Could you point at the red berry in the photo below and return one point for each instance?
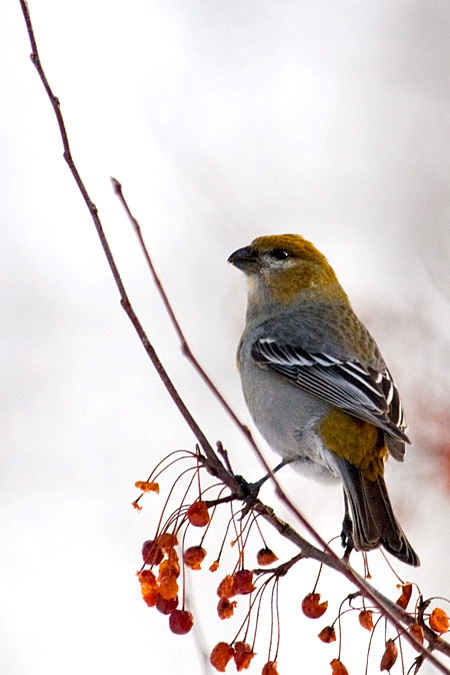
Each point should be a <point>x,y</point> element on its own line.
<point>193,557</point>
<point>180,621</point>
<point>243,582</point>
<point>198,514</point>
<point>151,552</point>
<point>166,606</point>
<point>312,607</point>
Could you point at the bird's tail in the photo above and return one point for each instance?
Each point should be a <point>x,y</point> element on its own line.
<point>374,522</point>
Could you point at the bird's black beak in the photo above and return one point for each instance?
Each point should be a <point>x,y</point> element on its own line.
<point>245,259</point>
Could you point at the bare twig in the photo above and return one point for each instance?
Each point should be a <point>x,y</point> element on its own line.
<point>185,348</point>
<point>214,465</point>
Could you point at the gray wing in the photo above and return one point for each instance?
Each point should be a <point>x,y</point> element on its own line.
<point>365,392</point>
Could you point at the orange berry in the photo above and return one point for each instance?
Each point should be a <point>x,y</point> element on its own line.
<point>149,587</point>
<point>243,655</point>
<point>243,582</point>
<point>147,487</point>
<point>327,634</point>
<point>147,577</point>
<point>214,567</point>
<point>197,514</point>
<point>225,608</point>
<point>194,556</point>
<point>221,655</point>
<point>439,620</point>
<point>166,606</point>
<point>180,621</point>
<point>266,557</point>
<point>152,554</point>
<point>168,587</point>
<point>270,668</point>
<point>167,541</point>
<point>390,655</point>
<point>365,619</point>
<point>149,597</point>
<point>169,568</point>
<point>226,588</point>
<point>405,596</point>
<point>312,607</point>
<point>338,668</point>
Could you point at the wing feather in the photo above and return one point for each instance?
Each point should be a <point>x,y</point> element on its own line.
<point>364,392</point>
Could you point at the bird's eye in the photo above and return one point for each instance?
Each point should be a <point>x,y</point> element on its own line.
<point>279,254</point>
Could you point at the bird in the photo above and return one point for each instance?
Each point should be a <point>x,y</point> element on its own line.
<point>317,386</point>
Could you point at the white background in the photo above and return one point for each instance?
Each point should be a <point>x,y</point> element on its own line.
<point>224,121</point>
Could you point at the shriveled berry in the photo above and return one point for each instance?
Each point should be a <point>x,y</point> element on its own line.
<point>194,556</point>
<point>221,655</point>
<point>181,621</point>
<point>214,567</point>
<point>405,596</point>
<point>226,588</point>
<point>225,608</point>
<point>338,668</point>
<point>166,606</point>
<point>390,655</point>
<point>149,587</point>
<point>145,486</point>
<point>312,607</point>
<point>152,553</point>
<point>243,655</point>
<point>167,541</point>
<point>197,514</point>
<point>243,582</point>
<point>270,668</point>
<point>365,619</point>
<point>417,631</point>
<point>266,556</point>
<point>327,634</point>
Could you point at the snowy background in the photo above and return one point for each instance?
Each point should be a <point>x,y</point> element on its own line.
<point>223,121</point>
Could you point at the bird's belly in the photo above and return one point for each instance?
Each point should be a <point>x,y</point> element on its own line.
<point>287,417</point>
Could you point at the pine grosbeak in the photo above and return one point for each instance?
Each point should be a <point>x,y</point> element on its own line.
<point>317,386</point>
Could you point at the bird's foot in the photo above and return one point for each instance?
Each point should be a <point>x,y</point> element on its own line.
<point>251,490</point>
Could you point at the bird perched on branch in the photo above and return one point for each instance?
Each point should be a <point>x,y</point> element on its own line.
<point>317,386</point>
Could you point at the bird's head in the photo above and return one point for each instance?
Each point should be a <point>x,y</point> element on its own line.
<point>285,268</point>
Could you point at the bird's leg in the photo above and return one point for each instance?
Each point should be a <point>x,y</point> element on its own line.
<point>347,530</point>
<point>252,489</point>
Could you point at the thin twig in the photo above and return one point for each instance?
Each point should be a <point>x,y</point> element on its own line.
<point>185,348</point>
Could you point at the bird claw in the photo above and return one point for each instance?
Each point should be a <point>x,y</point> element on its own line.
<point>250,491</point>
